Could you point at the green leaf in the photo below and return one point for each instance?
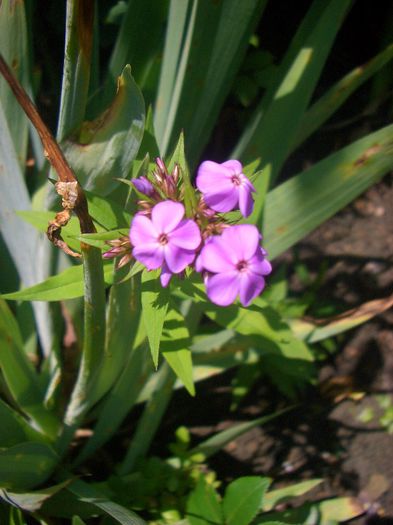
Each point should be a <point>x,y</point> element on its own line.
<point>302,203</point>
<point>154,300</point>
<point>243,498</point>
<point>324,107</point>
<point>215,443</point>
<point>203,505</point>
<point>113,139</point>
<point>87,494</point>
<point>15,53</point>
<point>76,520</point>
<point>178,157</point>
<point>107,213</point>
<point>14,428</point>
<point>134,45</point>
<point>149,422</point>
<point>175,347</point>
<point>76,71</point>
<point>17,234</point>
<point>67,285</point>
<point>272,498</point>
<point>319,329</point>
<point>31,501</point>
<point>327,512</point>
<point>275,122</point>
<point>26,465</point>
<point>205,43</point>
<point>19,375</point>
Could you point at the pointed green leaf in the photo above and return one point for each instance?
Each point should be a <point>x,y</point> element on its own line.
<point>273,497</point>
<point>19,375</point>
<point>302,203</point>
<point>15,53</point>
<point>243,498</point>
<point>14,428</point>
<point>275,122</point>
<point>154,308</point>
<point>175,348</point>
<point>88,494</point>
<point>26,465</point>
<point>203,505</point>
<point>76,70</point>
<point>327,512</point>
<point>104,148</point>
<point>76,520</point>
<point>31,501</point>
<point>67,285</point>
<point>215,443</point>
<point>178,157</point>
<point>333,99</point>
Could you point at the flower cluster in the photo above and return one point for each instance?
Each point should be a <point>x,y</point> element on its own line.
<point>230,257</point>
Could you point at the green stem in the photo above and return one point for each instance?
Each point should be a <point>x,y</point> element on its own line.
<point>93,345</point>
<point>150,420</point>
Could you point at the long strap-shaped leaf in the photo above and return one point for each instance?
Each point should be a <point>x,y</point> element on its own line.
<point>271,130</point>
<point>20,376</point>
<point>215,40</point>
<point>302,203</point>
<point>14,51</point>
<point>333,99</point>
<point>76,70</point>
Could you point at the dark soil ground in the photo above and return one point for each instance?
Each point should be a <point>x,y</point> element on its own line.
<point>325,437</point>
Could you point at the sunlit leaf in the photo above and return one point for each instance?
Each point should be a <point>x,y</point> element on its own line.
<point>175,347</point>
<point>26,465</point>
<point>65,285</point>
<point>203,505</point>
<point>154,308</point>
<point>103,149</point>
<point>243,498</point>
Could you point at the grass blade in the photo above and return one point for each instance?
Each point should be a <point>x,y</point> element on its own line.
<point>14,51</point>
<point>270,133</point>
<point>324,108</point>
<point>299,205</point>
<point>76,69</point>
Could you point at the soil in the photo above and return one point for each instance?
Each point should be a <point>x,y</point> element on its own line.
<point>325,437</point>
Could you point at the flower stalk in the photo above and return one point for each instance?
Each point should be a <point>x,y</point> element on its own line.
<point>73,200</point>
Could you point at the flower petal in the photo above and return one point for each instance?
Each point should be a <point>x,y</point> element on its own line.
<point>177,258</point>
<point>234,165</point>
<point>243,240</point>
<point>143,185</point>
<point>250,286</point>
<point>142,230</point>
<point>214,257</point>
<point>212,175</point>
<point>151,255</point>
<point>187,235</point>
<point>166,275</point>
<point>166,215</point>
<point>258,264</point>
<point>223,201</point>
<point>223,288</point>
<point>246,202</point>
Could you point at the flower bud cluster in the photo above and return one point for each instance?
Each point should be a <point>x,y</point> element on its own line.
<point>230,258</point>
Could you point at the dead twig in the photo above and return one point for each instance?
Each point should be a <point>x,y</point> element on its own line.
<point>68,187</point>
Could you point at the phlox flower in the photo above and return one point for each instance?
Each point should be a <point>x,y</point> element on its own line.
<point>225,187</point>
<point>143,185</point>
<point>165,241</point>
<point>234,265</point>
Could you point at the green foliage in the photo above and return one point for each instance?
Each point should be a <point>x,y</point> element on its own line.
<point>184,56</point>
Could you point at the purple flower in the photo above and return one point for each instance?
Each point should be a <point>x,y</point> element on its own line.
<point>236,265</point>
<point>166,240</point>
<point>225,187</point>
<point>143,185</point>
